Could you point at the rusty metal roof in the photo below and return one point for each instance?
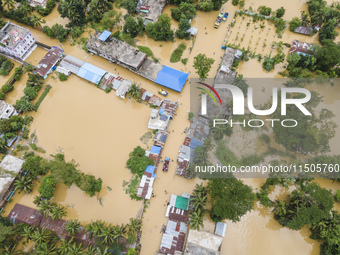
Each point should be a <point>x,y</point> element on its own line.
<point>24,214</point>
<point>57,226</point>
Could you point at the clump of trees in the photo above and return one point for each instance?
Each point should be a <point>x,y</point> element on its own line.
<point>5,66</point>
<point>198,206</point>
<point>280,12</point>
<point>132,27</point>
<point>47,186</point>
<point>138,162</point>
<point>160,30</point>
<point>48,9</point>
<point>177,53</point>
<point>186,9</point>
<point>264,10</point>
<point>203,64</point>
<point>10,128</point>
<point>130,6</point>
<point>56,31</point>
<point>269,63</point>
<point>294,24</point>
<point>230,199</point>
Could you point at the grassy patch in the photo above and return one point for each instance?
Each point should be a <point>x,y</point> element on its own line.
<point>132,188</point>
<point>177,53</point>
<point>148,52</point>
<point>225,155</point>
<point>41,98</point>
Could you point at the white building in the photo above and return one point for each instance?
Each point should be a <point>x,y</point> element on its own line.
<point>35,3</point>
<point>16,41</point>
<point>6,110</point>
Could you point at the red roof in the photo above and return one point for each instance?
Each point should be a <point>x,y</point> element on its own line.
<point>49,61</point>
<point>23,214</point>
<point>56,226</point>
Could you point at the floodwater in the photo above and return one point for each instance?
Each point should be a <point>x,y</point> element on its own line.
<point>98,131</point>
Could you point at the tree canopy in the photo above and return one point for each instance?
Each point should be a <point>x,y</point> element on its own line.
<point>160,30</point>
<point>203,64</point>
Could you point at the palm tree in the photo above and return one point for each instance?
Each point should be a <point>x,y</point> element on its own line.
<point>76,249</point>
<point>41,236</point>
<point>73,227</point>
<point>90,250</point>
<point>24,183</point>
<point>37,20</point>
<point>65,247</point>
<point>201,156</point>
<point>134,225</point>
<point>45,207</point>
<point>46,249</point>
<point>280,208</point>
<point>120,232</point>
<point>3,146</point>
<point>27,231</point>
<point>208,144</point>
<point>108,234</point>
<point>25,9</point>
<point>199,201</point>
<point>58,212</point>
<point>196,220</point>
<point>95,228</point>
<point>10,4</point>
<point>10,250</point>
<point>104,251</point>
<point>135,91</point>
<point>38,200</point>
<point>304,19</point>
<point>199,188</point>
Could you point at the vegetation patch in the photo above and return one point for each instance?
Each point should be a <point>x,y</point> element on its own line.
<point>177,53</point>
<point>148,52</point>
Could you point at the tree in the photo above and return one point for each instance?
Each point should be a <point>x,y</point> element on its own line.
<point>327,56</point>
<point>46,249</point>
<point>37,21</point>
<point>305,21</point>
<point>264,10</point>
<point>161,30</point>
<point>24,9</point>
<point>9,4</point>
<point>58,212</point>
<point>131,27</point>
<point>138,162</point>
<point>30,92</point>
<point>97,8</point>
<point>73,227</point>
<point>42,235</point>
<point>134,225</point>
<point>24,183</point>
<point>132,251</point>
<point>218,4</point>
<point>183,27</point>
<point>90,184</point>
<point>74,10</point>
<point>130,6</point>
<point>35,165</point>
<point>64,172</point>
<point>24,105</point>
<point>6,231</point>
<point>328,31</point>
<point>186,9</point>
<point>110,19</point>
<point>280,12</point>
<point>108,235</point>
<point>230,199</point>
<point>196,220</point>
<point>202,64</point>
<point>47,186</point>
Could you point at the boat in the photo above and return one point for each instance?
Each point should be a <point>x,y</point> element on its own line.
<point>166,164</point>
<point>163,92</point>
<point>218,20</point>
<point>225,16</point>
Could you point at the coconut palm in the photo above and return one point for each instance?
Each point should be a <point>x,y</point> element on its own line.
<point>280,208</point>
<point>3,146</point>
<point>90,250</point>
<point>10,250</point>
<point>108,234</point>
<point>37,20</point>
<point>38,200</point>
<point>201,156</point>
<point>199,188</point>
<point>24,183</point>
<point>58,212</point>
<point>27,231</point>
<point>104,251</point>
<point>73,227</point>
<point>46,249</point>
<point>208,144</point>
<point>76,249</point>
<point>134,225</point>
<point>120,232</point>
<point>41,236</point>
<point>135,91</point>
<point>65,247</point>
<point>45,207</point>
<point>199,201</point>
<point>25,9</point>
<point>10,4</point>
<point>196,220</point>
<point>95,228</point>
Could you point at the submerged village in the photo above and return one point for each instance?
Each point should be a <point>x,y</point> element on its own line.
<point>100,131</point>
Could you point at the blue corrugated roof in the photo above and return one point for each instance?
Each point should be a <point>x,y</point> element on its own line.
<point>155,149</point>
<point>171,78</point>
<point>194,143</point>
<point>150,169</point>
<point>163,138</point>
<point>91,73</point>
<point>104,35</point>
<point>163,117</point>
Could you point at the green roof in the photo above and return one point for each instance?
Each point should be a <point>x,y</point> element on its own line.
<point>182,203</point>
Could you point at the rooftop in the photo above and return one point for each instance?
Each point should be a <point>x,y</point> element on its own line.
<point>49,60</point>
<point>303,30</point>
<point>301,48</point>
<point>225,75</point>
<point>156,8</point>
<point>117,49</point>
<point>24,214</point>
<point>205,240</point>
<point>11,33</point>
<point>6,110</point>
<point>56,226</point>
<point>174,237</point>
<point>11,164</point>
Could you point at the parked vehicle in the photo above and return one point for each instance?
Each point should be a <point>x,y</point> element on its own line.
<point>166,164</point>
<point>225,17</point>
<point>218,20</point>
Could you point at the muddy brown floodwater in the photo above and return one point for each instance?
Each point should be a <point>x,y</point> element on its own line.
<point>98,131</point>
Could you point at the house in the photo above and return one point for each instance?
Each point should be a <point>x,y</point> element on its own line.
<point>146,183</point>
<point>10,166</point>
<point>57,226</point>
<point>49,61</point>
<point>82,237</point>
<point>303,30</point>
<point>16,41</point>
<point>41,3</point>
<point>63,70</point>
<point>6,110</point>
<point>203,243</point>
<point>24,214</point>
<point>301,48</point>
<point>173,239</point>
<point>158,120</point>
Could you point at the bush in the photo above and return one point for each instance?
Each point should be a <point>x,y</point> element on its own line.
<point>2,95</point>
<point>184,61</point>
<point>46,11</point>
<point>264,10</point>
<point>177,53</point>
<point>47,186</point>
<point>294,24</point>
<point>138,162</point>
<point>235,2</point>
<point>280,12</point>
<point>7,88</point>
<point>31,93</point>
<point>62,77</point>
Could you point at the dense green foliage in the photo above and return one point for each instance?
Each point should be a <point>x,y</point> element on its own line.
<point>204,5</point>
<point>264,10</point>
<point>35,165</point>
<point>198,204</point>
<point>56,31</point>
<point>178,2</point>
<point>138,162</point>
<point>47,186</point>
<point>132,27</point>
<point>5,66</point>
<point>183,26</point>
<point>280,12</point>
<point>186,9</point>
<point>294,24</point>
<point>202,64</point>
<point>230,199</point>
<point>308,204</point>
<point>160,30</point>
<point>130,6</point>
<point>328,31</point>
<point>177,53</point>
<point>269,63</point>
<point>49,7</point>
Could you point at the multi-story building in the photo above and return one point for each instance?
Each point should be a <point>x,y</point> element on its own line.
<point>16,41</point>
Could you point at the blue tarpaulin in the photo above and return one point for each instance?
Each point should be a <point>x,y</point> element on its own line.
<point>194,143</point>
<point>91,73</point>
<point>155,149</point>
<point>104,35</point>
<point>150,169</point>
<point>171,78</point>
<point>163,138</point>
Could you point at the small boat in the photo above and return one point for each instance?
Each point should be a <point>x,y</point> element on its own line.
<point>225,16</point>
<point>166,164</point>
<point>163,92</point>
<point>218,20</point>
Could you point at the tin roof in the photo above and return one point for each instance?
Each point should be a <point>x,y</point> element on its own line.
<point>24,214</point>
<point>49,61</point>
<point>57,226</point>
<point>106,34</point>
<point>221,227</point>
<point>303,30</point>
<point>301,48</point>
<point>182,203</point>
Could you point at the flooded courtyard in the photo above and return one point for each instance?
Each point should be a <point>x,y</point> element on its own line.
<point>99,130</point>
